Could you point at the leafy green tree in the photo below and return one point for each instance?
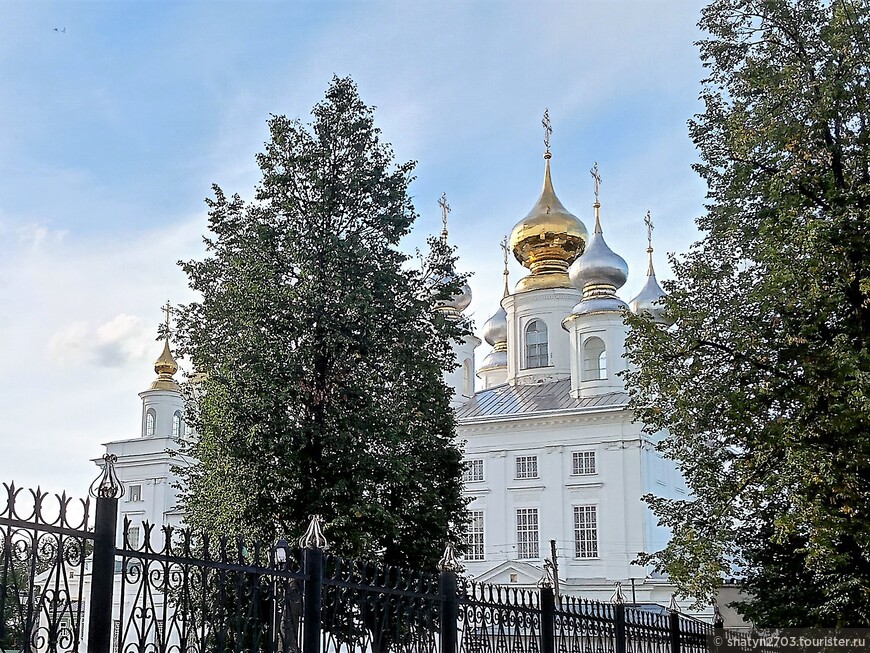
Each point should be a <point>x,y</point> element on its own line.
<point>321,352</point>
<point>762,383</point>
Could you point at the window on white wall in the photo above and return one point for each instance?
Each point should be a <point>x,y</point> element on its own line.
<point>474,536</point>
<point>594,360</point>
<point>473,470</point>
<point>527,533</point>
<point>586,531</point>
<point>135,493</point>
<point>537,351</point>
<point>583,463</point>
<point>133,537</point>
<point>176,424</point>
<point>527,467</point>
<point>150,418</point>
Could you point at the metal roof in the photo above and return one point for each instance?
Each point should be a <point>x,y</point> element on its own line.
<point>536,398</point>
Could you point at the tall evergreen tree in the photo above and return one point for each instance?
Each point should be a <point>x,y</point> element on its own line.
<point>763,381</point>
<point>321,354</point>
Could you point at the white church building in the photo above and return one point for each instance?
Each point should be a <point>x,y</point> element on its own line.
<point>553,453</point>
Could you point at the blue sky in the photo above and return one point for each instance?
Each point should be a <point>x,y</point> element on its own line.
<point>112,132</point>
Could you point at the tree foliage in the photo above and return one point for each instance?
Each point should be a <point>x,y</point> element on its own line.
<point>321,355</point>
<point>762,383</point>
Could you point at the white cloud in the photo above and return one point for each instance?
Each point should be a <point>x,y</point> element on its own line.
<point>123,339</point>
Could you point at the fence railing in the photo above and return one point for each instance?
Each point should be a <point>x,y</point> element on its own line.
<point>67,588</point>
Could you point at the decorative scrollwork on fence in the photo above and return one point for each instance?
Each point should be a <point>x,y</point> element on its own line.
<point>182,594</point>
<point>584,626</point>
<point>371,608</point>
<point>46,542</point>
<point>496,619</point>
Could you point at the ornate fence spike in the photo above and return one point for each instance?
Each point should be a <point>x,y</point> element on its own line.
<point>107,485</point>
<point>313,538</point>
<point>547,577</point>
<point>674,606</point>
<point>618,597</point>
<point>448,561</point>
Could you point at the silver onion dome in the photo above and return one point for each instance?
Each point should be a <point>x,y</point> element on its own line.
<point>458,302</point>
<point>648,300</point>
<point>599,272</point>
<point>495,334</point>
<point>495,328</point>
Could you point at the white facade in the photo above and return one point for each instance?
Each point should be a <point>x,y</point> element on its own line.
<point>553,452</point>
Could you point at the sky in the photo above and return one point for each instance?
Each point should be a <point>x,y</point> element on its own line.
<point>117,117</point>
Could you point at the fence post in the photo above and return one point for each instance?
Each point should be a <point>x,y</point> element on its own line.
<point>674,613</point>
<point>620,627</point>
<point>449,600</point>
<point>548,620</point>
<point>107,489</point>
<point>312,543</point>
<point>618,599</point>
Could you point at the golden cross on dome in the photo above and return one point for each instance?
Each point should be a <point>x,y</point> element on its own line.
<point>596,180</point>
<point>445,209</point>
<point>168,310</point>
<point>649,229</point>
<point>547,131</point>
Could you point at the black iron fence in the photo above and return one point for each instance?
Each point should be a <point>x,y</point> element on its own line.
<point>66,587</point>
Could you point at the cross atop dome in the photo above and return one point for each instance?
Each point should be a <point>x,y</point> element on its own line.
<point>445,209</point>
<point>548,130</point>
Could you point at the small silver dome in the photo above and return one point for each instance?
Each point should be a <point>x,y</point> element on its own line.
<point>648,300</point>
<point>495,359</point>
<point>495,328</point>
<point>458,302</point>
<point>599,266</point>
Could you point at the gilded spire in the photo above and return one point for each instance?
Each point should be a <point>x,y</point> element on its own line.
<point>649,248</point>
<point>504,251</point>
<point>550,237</point>
<point>165,365</point>
<point>445,209</point>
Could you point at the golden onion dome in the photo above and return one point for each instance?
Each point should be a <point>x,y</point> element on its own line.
<point>166,367</point>
<point>547,240</point>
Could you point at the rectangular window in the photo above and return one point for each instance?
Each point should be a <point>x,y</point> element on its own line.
<point>527,533</point>
<point>474,535</point>
<point>135,493</point>
<point>473,470</point>
<point>583,463</point>
<point>527,467</point>
<point>586,531</point>
<point>116,635</point>
<point>133,537</point>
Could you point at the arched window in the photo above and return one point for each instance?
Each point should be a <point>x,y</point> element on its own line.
<point>467,378</point>
<point>537,354</point>
<point>594,360</point>
<point>150,419</point>
<point>176,424</point>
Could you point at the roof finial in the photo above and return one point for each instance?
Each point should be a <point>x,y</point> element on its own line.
<point>165,365</point>
<point>167,308</point>
<point>445,209</point>
<point>504,251</point>
<point>596,185</point>
<point>547,131</point>
<point>649,248</point>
